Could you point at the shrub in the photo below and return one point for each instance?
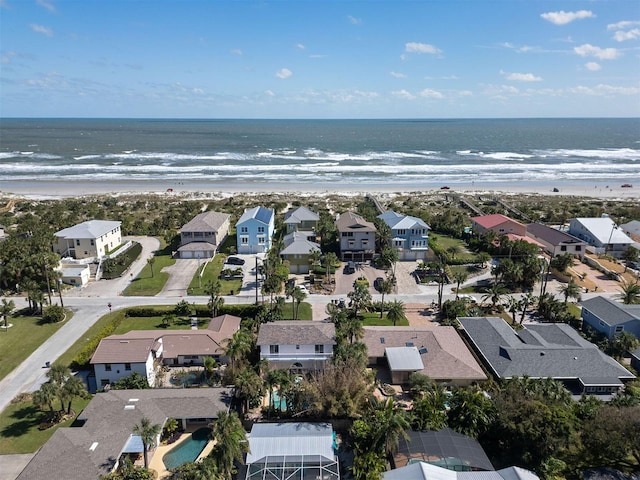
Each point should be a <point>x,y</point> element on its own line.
<point>53,314</point>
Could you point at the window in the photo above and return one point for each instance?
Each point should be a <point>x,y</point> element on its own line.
<point>92,242</point>
<point>127,366</point>
<point>319,348</point>
<point>274,349</point>
<point>619,328</point>
<point>77,243</point>
<point>244,230</point>
<point>397,243</point>
<point>402,231</point>
<point>352,243</point>
<point>260,229</point>
<point>347,234</point>
<point>297,347</point>
<point>107,367</point>
<point>244,240</point>
<point>578,248</point>
<point>563,248</point>
<point>261,240</point>
<point>365,243</point>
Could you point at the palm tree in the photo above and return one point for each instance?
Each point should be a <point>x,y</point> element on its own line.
<point>330,260</point>
<point>483,258</point>
<point>471,411</point>
<point>59,375</point>
<point>45,396</point>
<point>215,302</point>
<point>249,387</point>
<point>238,346</point>
<point>5,310</point>
<point>391,424</point>
<point>525,301</point>
<point>460,276</point>
<point>209,364</point>
<point>513,304</point>
<point>148,433</point>
<point>395,312</point>
<point>231,442</point>
<point>385,287</point>
<point>150,262</point>
<point>571,289</point>
<point>74,387</point>
<point>298,296</point>
<point>359,296</point>
<point>368,466</point>
<point>352,328</point>
<point>630,293</point>
<point>494,294</point>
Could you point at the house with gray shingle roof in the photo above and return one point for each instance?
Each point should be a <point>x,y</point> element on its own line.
<point>104,437</point>
<point>357,237</point>
<point>255,230</point>
<point>551,350</point>
<point>297,345</point>
<point>91,239</point>
<point>609,317</point>
<point>202,236</point>
<point>409,235</point>
<point>556,242</point>
<point>441,353</point>
<point>301,220</point>
<point>297,251</point>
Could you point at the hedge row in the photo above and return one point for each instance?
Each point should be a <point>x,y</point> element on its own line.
<point>84,357</point>
<point>242,311</point>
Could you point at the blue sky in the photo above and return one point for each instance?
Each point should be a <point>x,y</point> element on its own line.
<point>319,59</point>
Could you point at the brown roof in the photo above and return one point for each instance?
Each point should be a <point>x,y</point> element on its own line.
<point>134,346</point>
<point>493,220</point>
<point>446,355</point>
<point>352,221</point>
<point>206,222</point>
<point>108,425</point>
<point>297,332</point>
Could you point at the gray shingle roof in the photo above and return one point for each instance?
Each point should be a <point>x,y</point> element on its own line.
<point>108,426</point>
<point>350,221</point>
<point>610,312</point>
<point>206,222</point>
<point>296,243</point>
<point>540,351</point>
<point>552,235</point>
<point>89,229</point>
<point>398,221</point>
<point>301,214</point>
<point>297,332</point>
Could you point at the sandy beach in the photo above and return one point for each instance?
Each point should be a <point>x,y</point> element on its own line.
<point>202,189</point>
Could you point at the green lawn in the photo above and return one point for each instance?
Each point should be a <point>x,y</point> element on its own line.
<point>148,284</point>
<point>19,431</point>
<point>304,311</point>
<point>371,319</point>
<point>20,341</point>
<point>211,273</point>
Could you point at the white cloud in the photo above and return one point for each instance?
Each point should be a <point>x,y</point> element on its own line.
<point>318,55</point>
<point>429,93</point>
<point>521,77</point>
<point>300,46</point>
<point>48,5</point>
<point>415,47</point>
<point>562,17</point>
<point>403,94</point>
<point>397,75</point>
<point>588,50</point>
<point>6,57</point>
<point>236,51</point>
<point>623,25</point>
<point>621,36</point>
<point>269,93</point>
<point>284,73</point>
<point>41,29</point>
<point>592,66</point>
<point>604,89</point>
<point>354,20</point>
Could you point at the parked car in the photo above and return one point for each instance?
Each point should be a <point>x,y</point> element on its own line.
<point>349,268</point>
<point>303,289</point>
<point>234,261</point>
<point>377,283</point>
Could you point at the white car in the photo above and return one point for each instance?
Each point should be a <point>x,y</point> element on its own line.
<point>303,289</point>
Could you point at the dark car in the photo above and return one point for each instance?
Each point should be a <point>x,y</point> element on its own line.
<point>350,267</point>
<point>234,261</point>
<point>377,283</point>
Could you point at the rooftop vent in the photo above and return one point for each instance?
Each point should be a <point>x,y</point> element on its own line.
<point>133,399</point>
<point>423,350</point>
<point>124,341</point>
<point>409,344</point>
<point>93,446</point>
<point>381,339</point>
<point>129,407</point>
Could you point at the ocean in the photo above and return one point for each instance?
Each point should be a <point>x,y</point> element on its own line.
<point>319,154</point>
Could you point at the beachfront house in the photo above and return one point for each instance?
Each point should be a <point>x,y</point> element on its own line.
<point>298,450</point>
<point>297,251</point>
<point>90,239</point>
<point>297,345</point>
<point>610,318</point>
<point>500,224</point>
<point>409,235</point>
<point>556,242</point>
<point>254,230</point>
<point>602,234</point>
<point>438,353</point>
<point>143,351</point>
<point>102,435</point>
<point>553,350</point>
<point>357,237</point>
<point>301,220</point>
<point>202,236</point>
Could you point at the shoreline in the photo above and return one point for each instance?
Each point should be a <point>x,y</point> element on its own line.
<point>57,190</point>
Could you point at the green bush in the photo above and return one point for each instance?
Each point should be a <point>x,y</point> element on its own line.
<point>147,311</point>
<point>84,357</point>
<point>115,267</point>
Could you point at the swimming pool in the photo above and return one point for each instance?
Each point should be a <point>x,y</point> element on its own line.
<point>188,450</point>
<point>278,402</point>
<point>190,378</point>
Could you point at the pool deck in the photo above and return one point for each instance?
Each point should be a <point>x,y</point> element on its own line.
<point>156,464</point>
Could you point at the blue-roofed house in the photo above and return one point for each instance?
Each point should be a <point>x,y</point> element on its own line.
<point>553,350</point>
<point>609,317</point>
<point>409,235</point>
<point>254,230</point>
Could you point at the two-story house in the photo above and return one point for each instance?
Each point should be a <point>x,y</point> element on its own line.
<point>201,237</point>
<point>91,239</point>
<point>297,345</point>
<point>556,242</point>
<point>409,235</point>
<point>297,251</point>
<point>254,230</point>
<point>500,224</point>
<point>357,237</point>
<point>610,318</point>
<point>301,220</point>
<point>602,234</point>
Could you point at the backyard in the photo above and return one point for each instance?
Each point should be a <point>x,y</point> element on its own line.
<point>212,270</point>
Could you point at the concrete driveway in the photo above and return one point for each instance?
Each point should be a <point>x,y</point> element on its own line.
<point>180,275</point>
